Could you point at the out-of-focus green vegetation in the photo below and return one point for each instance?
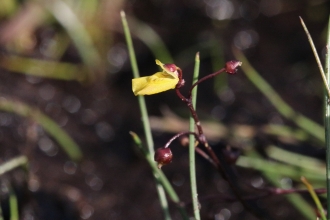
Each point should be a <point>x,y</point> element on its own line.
<point>82,24</point>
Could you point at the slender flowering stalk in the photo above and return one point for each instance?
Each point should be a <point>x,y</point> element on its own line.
<point>192,145</point>
<point>230,68</point>
<point>164,155</point>
<point>144,114</point>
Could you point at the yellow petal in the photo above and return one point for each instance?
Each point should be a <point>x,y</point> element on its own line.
<point>159,82</point>
<point>174,74</point>
<point>159,63</point>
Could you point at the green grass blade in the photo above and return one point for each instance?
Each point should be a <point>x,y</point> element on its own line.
<point>192,165</point>
<point>1,215</point>
<point>314,129</point>
<point>272,174</point>
<point>44,68</point>
<point>307,163</point>
<point>318,61</point>
<point>327,122</point>
<point>314,197</point>
<point>13,205</point>
<point>13,164</point>
<point>51,127</point>
<point>326,81</point>
<point>279,169</point>
<point>78,33</point>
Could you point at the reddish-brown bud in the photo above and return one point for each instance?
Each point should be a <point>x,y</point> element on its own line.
<point>231,66</point>
<point>163,156</point>
<point>171,67</point>
<point>184,141</point>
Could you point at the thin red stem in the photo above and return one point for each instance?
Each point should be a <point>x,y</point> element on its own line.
<point>179,135</point>
<point>205,78</point>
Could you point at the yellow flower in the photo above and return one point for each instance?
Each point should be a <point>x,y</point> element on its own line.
<point>159,82</point>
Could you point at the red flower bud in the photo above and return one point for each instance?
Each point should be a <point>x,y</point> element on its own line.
<point>171,67</point>
<point>231,66</point>
<point>163,156</point>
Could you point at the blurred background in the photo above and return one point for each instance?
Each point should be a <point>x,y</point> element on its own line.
<point>65,96</point>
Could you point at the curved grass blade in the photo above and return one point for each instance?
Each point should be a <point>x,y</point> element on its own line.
<point>44,68</point>
<point>51,127</point>
<point>274,172</point>
<point>315,130</point>
<point>13,164</point>
<point>327,121</point>
<point>13,205</point>
<point>78,33</point>
<point>315,197</point>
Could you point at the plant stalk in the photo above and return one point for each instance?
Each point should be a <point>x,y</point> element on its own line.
<point>327,123</point>
<point>192,165</point>
<point>145,119</point>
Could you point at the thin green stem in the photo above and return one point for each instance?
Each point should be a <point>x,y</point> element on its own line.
<point>326,81</point>
<point>205,78</point>
<point>145,119</point>
<point>192,165</point>
<point>13,204</point>
<point>130,47</point>
<point>327,123</point>
<point>1,215</point>
<point>318,61</point>
<point>150,38</point>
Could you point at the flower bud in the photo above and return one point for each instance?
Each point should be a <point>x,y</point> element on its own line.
<point>170,67</point>
<point>231,66</point>
<point>184,141</point>
<point>163,156</point>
